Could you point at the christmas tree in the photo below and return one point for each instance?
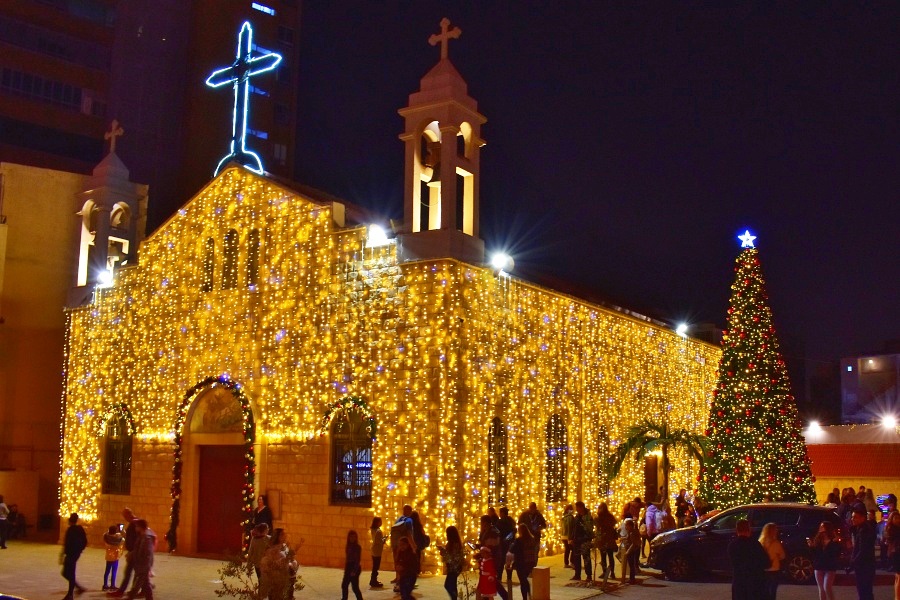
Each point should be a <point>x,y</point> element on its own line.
<point>756,448</point>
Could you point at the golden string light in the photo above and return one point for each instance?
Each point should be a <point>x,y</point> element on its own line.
<point>437,349</point>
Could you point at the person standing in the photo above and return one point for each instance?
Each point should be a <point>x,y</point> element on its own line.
<point>259,543</point>
<point>826,553</point>
<point>507,528</point>
<point>262,514</point>
<point>748,564</point>
<point>524,558</point>
<point>892,544</point>
<point>352,566</point>
<point>489,537</point>
<point>420,538</point>
<point>143,561</point>
<point>583,536</point>
<point>4,523</point>
<point>631,543</point>
<point>487,575</point>
<point>279,569</point>
<point>406,564</point>
<point>454,559</point>
<point>402,527</point>
<point>535,522</point>
<point>377,550</point>
<point>768,538</point>
<point>568,521</point>
<point>73,545</point>
<point>130,541</point>
<point>607,539</point>
<point>113,540</point>
<point>862,561</point>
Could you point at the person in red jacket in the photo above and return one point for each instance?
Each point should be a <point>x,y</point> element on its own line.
<point>487,581</point>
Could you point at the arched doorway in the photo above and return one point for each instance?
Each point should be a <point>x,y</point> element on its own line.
<point>214,462</point>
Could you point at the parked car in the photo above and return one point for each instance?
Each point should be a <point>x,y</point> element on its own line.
<point>682,553</point>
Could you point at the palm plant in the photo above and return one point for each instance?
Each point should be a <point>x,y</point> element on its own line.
<point>647,436</point>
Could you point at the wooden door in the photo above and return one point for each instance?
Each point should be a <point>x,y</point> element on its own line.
<point>219,501</point>
<point>651,478</point>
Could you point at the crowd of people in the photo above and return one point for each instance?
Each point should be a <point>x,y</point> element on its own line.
<point>505,545</point>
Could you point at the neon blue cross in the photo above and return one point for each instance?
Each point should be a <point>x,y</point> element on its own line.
<point>239,73</point>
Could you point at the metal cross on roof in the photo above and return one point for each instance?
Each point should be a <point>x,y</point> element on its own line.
<point>443,38</point>
<point>238,74</point>
<point>111,135</point>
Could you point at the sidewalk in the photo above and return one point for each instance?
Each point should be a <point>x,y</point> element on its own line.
<point>31,570</point>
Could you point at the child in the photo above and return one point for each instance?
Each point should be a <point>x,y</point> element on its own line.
<point>377,549</point>
<point>352,566</point>
<point>407,566</point>
<point>632,543</point>
<point>259,542</point>
<point>113,540</point>
<point>487,581</point>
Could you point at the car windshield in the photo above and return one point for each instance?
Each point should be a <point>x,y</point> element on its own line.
<point>729,519</point>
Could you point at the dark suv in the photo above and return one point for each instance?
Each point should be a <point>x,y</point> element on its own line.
<point>684,552</point>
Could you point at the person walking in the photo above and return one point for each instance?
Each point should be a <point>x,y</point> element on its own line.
<point>113,540</point>
<point>770,542</point>
<point>826,553</point>
<point>402,527</point>
<point>143,561</point>
<point>454,559</point>
<point>524,551</point>
<point>73,545</point>
<point>748,564</point>
<point>279,568</point>
<point>862,560</point>
<point>352,566</point>
<point>377,550</point>
<point>607,540</point>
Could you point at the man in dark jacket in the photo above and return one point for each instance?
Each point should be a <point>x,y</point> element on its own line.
<point>862,561</point>
<point>749,562</point>
<point>142,560</point>
<point>74,544</point>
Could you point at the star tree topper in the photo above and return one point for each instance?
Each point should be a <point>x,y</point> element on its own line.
<point>747,239</point>
<point>238,74</point>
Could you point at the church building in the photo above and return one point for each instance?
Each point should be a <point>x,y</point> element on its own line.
<point>268,340</point>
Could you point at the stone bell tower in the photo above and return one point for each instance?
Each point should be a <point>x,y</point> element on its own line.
<point>111,216</point>
<point>443,141</point>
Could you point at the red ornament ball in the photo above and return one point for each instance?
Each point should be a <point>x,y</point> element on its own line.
<point>771,478</point>
<point>716,486</point>
<point>725,478</point>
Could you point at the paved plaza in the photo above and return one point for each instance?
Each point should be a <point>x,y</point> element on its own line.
<point>30,570</point>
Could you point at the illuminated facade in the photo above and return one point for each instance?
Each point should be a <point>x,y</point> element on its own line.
<point>352,378</point>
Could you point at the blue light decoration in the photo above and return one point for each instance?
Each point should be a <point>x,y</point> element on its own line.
<point>747,239</point>
<point>238,74</point>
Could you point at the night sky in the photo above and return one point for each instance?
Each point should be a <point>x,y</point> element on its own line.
<point>629,144</point>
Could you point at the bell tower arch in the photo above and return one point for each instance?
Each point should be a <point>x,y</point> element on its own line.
<point>442,135</point>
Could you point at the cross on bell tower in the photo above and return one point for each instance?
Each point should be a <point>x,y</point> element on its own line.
<point>442,135</point>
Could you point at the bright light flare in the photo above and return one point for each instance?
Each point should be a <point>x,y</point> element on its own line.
<point>502,262</point>
<point>377,237</point>
<point>682,329</point>
<point>105,278</point>
<point>889,422</point>
<point>814,427</point>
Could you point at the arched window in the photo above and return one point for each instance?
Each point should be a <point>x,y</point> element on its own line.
<point>557,458</point>
<point>604,457</point>
<point>230,260</point>
<point>117,463</point>
<point>497,454</point>
<point>253,257</point>
<point>351,460</point>
<point>209,266</point>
